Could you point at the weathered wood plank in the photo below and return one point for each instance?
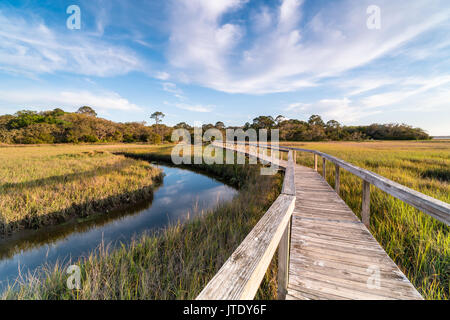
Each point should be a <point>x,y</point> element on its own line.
<point>283,263</point>
<point>352,273</point>
<point>365,212</point>
<point>298,293</point>
<point>242,273</point>
<point>344,268</point>
<point>325,286</point>
<point>333,255</point>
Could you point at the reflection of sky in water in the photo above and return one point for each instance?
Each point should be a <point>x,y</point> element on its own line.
<point>183,192</point>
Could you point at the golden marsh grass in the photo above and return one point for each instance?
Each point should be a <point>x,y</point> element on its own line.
<point>42,185</point>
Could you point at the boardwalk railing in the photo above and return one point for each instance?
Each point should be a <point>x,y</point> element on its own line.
<point>241,275</point>
<point>433,207</point>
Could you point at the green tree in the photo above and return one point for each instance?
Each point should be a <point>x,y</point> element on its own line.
<point>263,122</point>
<point>279,119</point>
<point>87,111</point>
<point>57,112</point>
<point>316,120</point>
<point>24,119</point>
<point>157,116</point>
<point>333,130</point>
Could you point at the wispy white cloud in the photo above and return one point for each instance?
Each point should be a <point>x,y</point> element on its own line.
<point>413,94</point>
<point>162,75</point>
<point>337,109</point>
<point>173,89</point>
<point>194,107</point>
<point>69,99</point>
<point>198,41</point>
<point>420,85</point>
<point>360,85</point>
<point>288,53</point>
<point>28,46</point>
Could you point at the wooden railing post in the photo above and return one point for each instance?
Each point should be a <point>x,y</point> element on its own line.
<point>295,157</point>
<point>365,213</point>
<point>315,162</point>
<point>337,179</point>
<point>324,168</point>
<point>283,263</point>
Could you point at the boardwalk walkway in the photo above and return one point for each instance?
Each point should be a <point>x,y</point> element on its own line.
<point>332,254</point>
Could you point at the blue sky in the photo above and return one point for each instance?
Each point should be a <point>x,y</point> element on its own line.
<point>230,60</point>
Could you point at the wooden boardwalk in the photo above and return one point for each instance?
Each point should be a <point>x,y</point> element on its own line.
<point>324,250</point>
<point>332,254</point>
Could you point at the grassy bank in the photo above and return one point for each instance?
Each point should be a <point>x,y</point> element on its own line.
<point>419,244</point>
<point>44,185</point>
<point>177,262</point>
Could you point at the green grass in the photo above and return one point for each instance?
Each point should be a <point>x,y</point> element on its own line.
<point>175,263</point>
<point>418,244</point>
<point>44,185</point>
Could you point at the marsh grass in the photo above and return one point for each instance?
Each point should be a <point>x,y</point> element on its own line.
<point>173,263</point>
<point>44,185</point>
<point>418,244</point>
<point>178,262</point>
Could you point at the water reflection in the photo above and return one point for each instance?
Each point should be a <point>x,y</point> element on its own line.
<point>183,193</point>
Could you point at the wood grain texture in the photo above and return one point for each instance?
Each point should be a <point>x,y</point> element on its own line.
<point>332,254</point>
<point>365,212</point>
<point>337,179</point>
<point>283,263</point>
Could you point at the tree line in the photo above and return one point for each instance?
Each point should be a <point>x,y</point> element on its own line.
<point>58,126</point>
<point>315,129</point>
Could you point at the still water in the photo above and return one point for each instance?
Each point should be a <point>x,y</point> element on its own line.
<point>182,194</point>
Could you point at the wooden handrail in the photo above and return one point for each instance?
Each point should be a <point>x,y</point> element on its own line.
<point>438,209</point>
<point>241,275</point>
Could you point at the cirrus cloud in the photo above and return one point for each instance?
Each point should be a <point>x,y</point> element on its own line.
<point>28,46</point>
<point>287,51</point>
<point>69,99</point>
